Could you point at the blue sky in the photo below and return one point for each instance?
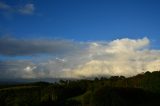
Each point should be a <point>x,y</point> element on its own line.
<point>83,19</point>
<point>78,38</point>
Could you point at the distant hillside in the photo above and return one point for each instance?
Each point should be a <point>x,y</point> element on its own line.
<point>140,90</point>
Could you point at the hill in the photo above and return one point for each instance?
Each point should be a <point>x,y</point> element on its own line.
<point>139,90</point>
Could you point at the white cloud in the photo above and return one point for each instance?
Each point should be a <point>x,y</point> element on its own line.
<point>120,57</point>
<point>126,57</point>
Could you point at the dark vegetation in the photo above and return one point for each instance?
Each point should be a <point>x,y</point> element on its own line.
<point>140,90</point>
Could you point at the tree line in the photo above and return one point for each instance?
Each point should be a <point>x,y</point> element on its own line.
<point>140,90</point>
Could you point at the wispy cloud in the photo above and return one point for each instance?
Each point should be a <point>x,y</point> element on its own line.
<point>4,6</point>
<point>27,9</point>
<point>78,59</point>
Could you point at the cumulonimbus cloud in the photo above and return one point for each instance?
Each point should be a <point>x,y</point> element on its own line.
<point>72,59</point>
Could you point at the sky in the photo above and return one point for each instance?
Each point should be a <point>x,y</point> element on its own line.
<point>78,38</point>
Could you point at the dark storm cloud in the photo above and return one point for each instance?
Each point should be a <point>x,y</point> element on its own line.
<point>21,47</point>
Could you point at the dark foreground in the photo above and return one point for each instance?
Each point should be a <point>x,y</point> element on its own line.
<point>140,90</point>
